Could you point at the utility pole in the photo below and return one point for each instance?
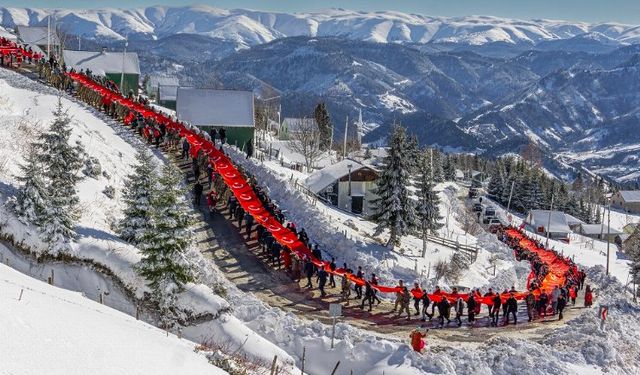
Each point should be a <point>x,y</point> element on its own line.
<point>510,195</point>
<point>431,162</point>
<point>79,45</point>
<point>124,53</point>
<point>549,221</point>
<point>49,36</point>
<point>608,233</point>
<point>344,145</point>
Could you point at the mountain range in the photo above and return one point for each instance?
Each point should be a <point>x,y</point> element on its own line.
<point>476,84</point>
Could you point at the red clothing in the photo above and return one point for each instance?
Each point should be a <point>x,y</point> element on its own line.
<point>416,340</point>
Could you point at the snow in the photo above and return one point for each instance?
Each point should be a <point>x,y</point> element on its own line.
<point>250,27</point>
<point>71,334</point>
<point>115,147</point>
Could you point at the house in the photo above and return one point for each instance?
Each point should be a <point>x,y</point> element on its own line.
<point>39,37</point>
<point>166,96</point>
<point>228,109</point>
<point>598,231</point>
<point>556,223</point>
<point>627,200</point>
<point>155,81</point>
<point>292,125</point>
<point>348,185</point>
<point>109,64</point>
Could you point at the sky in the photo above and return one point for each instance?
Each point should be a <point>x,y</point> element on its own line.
<point>623,11</point>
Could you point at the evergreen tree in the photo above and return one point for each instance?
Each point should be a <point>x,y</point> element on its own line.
<point>324,124</point>
<point>632,250</point>
<point>427,210</point>
<point>163,243</point>
<point>61,163</point>
<point>393,207</point>
<point>449,169</point>
<point>31,202</point>
<point>139,189</point>
<point>438,171</point>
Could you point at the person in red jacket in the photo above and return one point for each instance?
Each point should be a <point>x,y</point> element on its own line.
<point>417,342</point>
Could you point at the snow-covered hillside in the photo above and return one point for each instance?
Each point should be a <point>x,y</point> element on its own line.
<point>249,27</point>
<point>48,330</point>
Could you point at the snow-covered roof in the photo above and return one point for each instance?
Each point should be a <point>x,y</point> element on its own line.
<point>327,176</point>
<point>167,92</point>
<point>559,222</point>
<point>294,124</point>
<point>597,229</point>
<point>157,81</point>
<point>37,35</point>
<point>630,195</point>
<point>103,62</point>
<point>215,107</point>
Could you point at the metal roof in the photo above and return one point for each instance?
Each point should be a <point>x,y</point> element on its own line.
<point>597,229</point>
<point>167,92</point>
<point>327,176</point>
<point>37,35</point>
<point>157,81</point>
<point>630,195</point>
<point>541,218</point>
<point>208,107</point>
<point>104,62</point>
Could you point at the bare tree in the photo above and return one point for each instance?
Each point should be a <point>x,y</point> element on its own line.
<point>305,140</point>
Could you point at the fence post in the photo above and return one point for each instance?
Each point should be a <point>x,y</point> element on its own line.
<point>273,365</point>
<point>137,312</point>
<point>21,291</point>
<point>304,353</point>
<point>52,277</point>
<point>335,368</point>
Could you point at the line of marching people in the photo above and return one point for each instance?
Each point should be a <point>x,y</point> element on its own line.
<point>450,306</point>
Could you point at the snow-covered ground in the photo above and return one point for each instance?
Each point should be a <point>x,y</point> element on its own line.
<point>25,111</point>
<point>48,330</point>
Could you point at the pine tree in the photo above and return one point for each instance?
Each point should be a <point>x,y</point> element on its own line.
<point>393,207</point>
<point>138,193</point>
<point>632,250</point>
<point>449,169</point>
<point>427,210</point>
<point>163,243</point>
<point>324,124</point>
<point>31,201</point>
<point>438,172</point>
<point>61,163</point>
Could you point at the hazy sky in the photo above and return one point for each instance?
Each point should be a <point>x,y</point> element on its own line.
<point>624,11</point>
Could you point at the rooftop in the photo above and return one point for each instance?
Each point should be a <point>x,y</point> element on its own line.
<point>208,107</point>
<point>104,62</point>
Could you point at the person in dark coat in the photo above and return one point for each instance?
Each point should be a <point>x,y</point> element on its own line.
<point>332,267</point>
<point>309,269</point>
<point>425,305</point>
<point>444,309</point>
<point>358,288</point>
<point>322,280</point>
<point>368,295</point>
<point>512,309</point>
<point>530,300</point>
<point>197,192</point>
<point>562,303</point>
<point>471,308</point>
<point>213,133</point>
<point>223,135</point>
<point>248,220</point>
<point>495,310</point>
<point>249,148</point>
<point>185,148</point>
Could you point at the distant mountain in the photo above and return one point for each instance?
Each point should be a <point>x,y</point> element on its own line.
<point>248,28</point>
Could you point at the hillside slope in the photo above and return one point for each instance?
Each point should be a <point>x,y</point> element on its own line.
<point>55,331</point>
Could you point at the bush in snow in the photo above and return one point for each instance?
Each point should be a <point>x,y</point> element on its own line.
<point>165,241</point>
<point>440,268</point>
<point>460,261</point>
<point>138,192</point>
<point>109,191</point>
<point>92,167</point>
<point>30,203</point>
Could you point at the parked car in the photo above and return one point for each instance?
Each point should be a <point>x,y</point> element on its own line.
<point>490,211</point>
<point>487,219</point>
<point>473,193</point>
<point>477,207</point>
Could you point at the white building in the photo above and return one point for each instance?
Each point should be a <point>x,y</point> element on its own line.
<point>353,194</point>
<point>556,223</point>
<point>116,66</point>
<point>627,200</point>
<point>155,81</point>
<point>39,37</point>
<point>228,109</point>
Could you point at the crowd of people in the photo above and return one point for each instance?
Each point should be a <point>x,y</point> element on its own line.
<point>13,54</point>
<point>314,269</point>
